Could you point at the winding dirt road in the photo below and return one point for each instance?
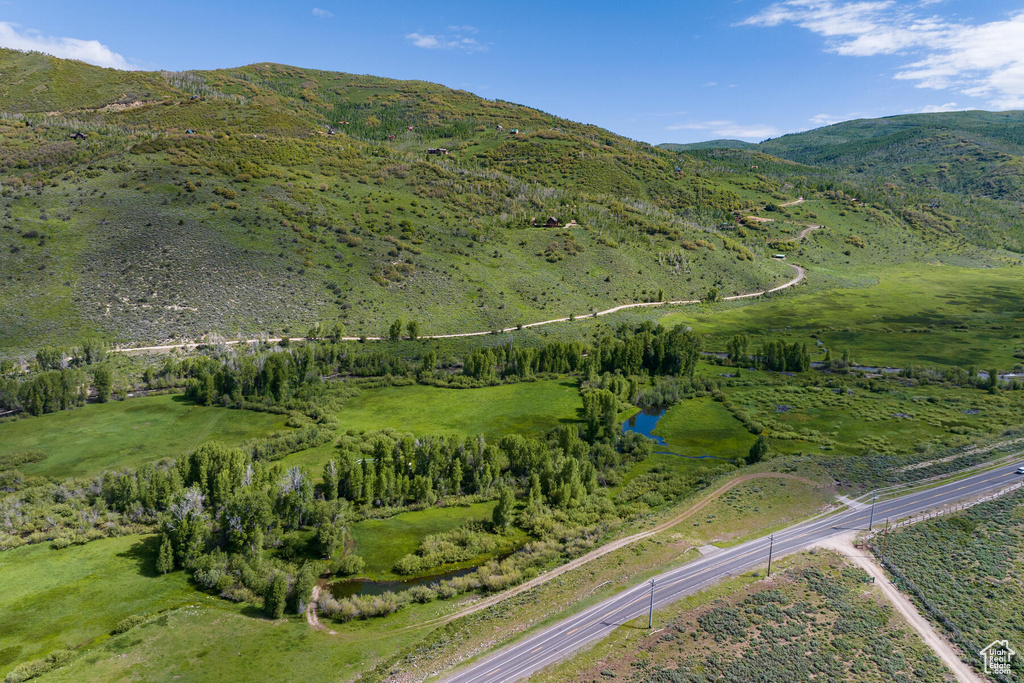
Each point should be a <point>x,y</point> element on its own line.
<point>800,274</point>
<point>806,231</point>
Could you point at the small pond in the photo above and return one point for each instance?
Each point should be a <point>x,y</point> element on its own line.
<point>351,587</point>
<point>644,423</point>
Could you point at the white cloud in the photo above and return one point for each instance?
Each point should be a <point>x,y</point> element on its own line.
<point>456,39</point>
<point>934,108</point>
<point>423,41</point>
<point>979,60</point>
<point>90,51</point>
<point>730,129</point>
<point>322,13</point>
<point>829,119</point>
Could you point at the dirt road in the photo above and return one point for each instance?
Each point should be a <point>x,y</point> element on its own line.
<point>806,231</point>
<point>800,274</point>
<point>312,618</point>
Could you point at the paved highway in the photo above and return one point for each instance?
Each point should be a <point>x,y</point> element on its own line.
<point>520,659</point>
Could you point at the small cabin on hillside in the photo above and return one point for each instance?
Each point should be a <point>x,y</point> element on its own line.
<point>551,222</point>
<point>781,257</point>
<point>437,150</point>
<point>78,136</point>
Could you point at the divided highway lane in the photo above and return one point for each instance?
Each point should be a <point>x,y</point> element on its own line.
<point>520,659</point>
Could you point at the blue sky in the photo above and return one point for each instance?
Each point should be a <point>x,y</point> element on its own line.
<point>656,71</point>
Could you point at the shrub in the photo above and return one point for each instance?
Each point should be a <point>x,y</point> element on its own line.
<point>422,594</point>
<point>38,667</point>
<point>127,624</point>
<point>350,564</point>
<point>11,460</point>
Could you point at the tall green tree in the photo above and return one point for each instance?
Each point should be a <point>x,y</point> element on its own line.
<point>103,380</point>
<point>758,450</point>
<point>276,598</point>
<point>502,516</point>
<point>165,560</point>
<point>395,331</point>
<point>331,480</point>
<point>302,590</point>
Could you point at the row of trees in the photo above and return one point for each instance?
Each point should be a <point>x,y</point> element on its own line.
<point>276,376</point>
<point>776,355</point>
<point>649,348</point>
<point>298,371</point>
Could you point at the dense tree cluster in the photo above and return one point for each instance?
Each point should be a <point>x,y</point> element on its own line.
<point>219,510</point>
<point>784,357</point>
<point>45,392</point>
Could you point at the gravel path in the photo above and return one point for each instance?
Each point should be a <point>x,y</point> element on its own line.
<point>806,231</point>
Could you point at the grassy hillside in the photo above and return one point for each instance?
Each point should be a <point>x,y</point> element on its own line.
<point>217,201</point>
<point>267,197</point>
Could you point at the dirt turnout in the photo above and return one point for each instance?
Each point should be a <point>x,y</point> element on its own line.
<point>938,644</point>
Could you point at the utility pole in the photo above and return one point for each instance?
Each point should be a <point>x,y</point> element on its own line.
<point>871,522</point>
<point>650,616</point>
<point>771,544</point>
<point>885,537</point>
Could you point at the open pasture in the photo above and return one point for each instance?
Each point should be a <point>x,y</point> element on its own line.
<point>913,315</point>
<point>101,436</point>
<point>525,408</point>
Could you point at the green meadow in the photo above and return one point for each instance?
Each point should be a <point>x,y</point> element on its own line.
<point>912,315</point>
<point>900,419</point>
<point>524,408</point>
<point>382,542</point>
<point>55,599</point>
<point>702,426</point>
<point>73,598</point>
<point>128,433</point>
